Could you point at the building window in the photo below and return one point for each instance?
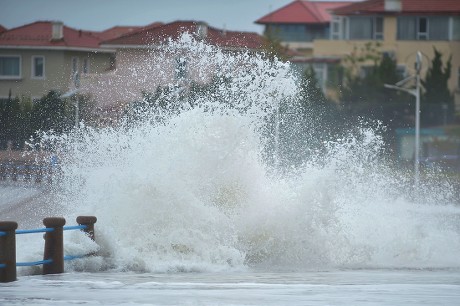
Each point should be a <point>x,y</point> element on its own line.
<point>74,65</point>
<point>423,28</point>
<point>298,32</point>
<point>438,28</point>
<point>38,67</point>
<point>338,27</point>
<point>85,65</point>
<point>378,26</point>
<point>181,68</point>
<point>10,67</point>
<point>366,27</point>
<point>455,28</point>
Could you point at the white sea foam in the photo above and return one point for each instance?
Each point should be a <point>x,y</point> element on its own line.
<point>197,193</point>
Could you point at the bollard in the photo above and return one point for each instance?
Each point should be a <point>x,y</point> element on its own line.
<point>8,251</point>
<point>89,222</point>
<point>54,246</point>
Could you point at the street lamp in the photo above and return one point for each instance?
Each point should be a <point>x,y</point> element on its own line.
<point>70,93</point>
<point>415,92</point>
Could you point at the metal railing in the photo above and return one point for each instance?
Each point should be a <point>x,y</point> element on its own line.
<point>53,257</point>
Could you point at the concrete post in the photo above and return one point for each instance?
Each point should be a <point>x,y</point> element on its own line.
<point>89,222</point>
<point>54,246</point>
<point>8,251</point>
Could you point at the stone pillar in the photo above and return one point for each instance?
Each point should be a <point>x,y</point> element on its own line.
<point>89,222</point>
<point>54,246</point>
<point>8,251</point>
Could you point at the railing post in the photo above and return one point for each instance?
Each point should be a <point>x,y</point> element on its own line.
<point>89,222</point>
<point>8,251</point>
<point>54,246</point>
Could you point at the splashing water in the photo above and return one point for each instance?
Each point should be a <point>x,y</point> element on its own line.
<point>193,191</point>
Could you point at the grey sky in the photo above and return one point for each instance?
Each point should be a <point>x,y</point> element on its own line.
<point>102,14</point>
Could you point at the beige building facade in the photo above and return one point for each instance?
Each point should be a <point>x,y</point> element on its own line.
<point>43,56</point>
<point>41,70</point>
<point>397,33</point>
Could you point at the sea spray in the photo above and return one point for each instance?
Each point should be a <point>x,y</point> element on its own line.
<point>189,186</point>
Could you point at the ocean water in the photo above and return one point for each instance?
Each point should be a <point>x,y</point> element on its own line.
<point>338,287</point>
<point>197,204</point>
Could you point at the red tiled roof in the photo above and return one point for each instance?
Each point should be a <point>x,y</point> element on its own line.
<point>303,11</point>
<point>432,7</point>
<point>39,34</point>
<point>158,34</point>
<point>2,29</point>
<point>116,31</point>
<point>119,31</point>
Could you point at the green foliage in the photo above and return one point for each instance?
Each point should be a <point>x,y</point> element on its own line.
<point>366,96</point>
<point>437,100</point>
<point>20,118</point>
<point>273,48</point>
<point>9,119</point>
<point>370,88</point>
<point>52,113</point>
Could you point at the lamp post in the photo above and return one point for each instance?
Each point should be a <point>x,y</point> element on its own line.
<point>415,92</point>
<point>70,93</point>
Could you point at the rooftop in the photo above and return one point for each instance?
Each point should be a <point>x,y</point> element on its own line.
<point>303,11</point>
<point>158,34</point>
<point>117,31</point>
<point>40,34</point>
<point>408,7</point>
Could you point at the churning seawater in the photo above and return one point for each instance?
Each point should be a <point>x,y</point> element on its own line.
<point>196,205</point>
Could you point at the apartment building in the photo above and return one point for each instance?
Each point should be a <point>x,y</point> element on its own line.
<point>296,26</point>
<point>398,28</point>
<point>322,34</point>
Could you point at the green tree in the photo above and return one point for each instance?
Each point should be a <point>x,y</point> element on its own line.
<point>52,113</point>
<point>365,96</point>
<point>437,100</point>
<point>9,121</point>
<point>273,47</point>
<point>369,89</point>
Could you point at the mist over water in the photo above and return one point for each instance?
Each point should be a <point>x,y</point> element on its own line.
<point>194,187</point>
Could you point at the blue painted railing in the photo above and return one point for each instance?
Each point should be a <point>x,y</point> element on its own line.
<point>46,230</point>
<point>53,261</point>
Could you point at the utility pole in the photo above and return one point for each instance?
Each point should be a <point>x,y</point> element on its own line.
<point>74,92</point>
<point>415,92</point>
<point>77,102</point>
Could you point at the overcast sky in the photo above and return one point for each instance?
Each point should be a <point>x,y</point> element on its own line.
<point>99,15</point>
